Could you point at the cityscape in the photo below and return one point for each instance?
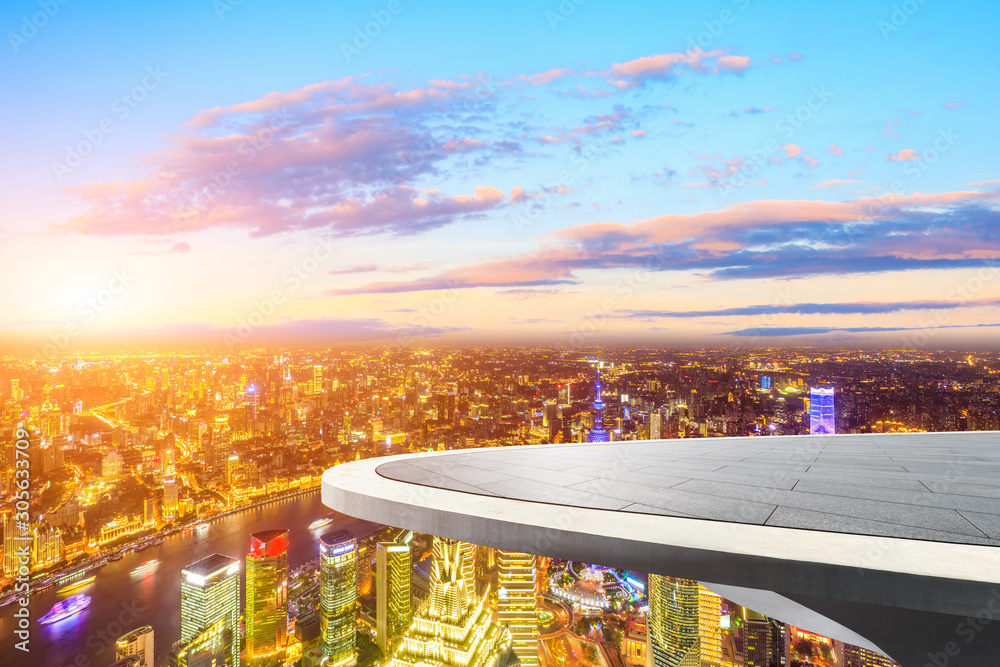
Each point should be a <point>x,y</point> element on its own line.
<point>129,451</point>
<point>544,333</point>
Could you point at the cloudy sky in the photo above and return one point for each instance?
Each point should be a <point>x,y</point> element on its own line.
<point>231,173</point>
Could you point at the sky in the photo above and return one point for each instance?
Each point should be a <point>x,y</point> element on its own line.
<point>240,173</point>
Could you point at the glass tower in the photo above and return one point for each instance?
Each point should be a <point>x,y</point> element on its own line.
<point>210,593</point>
<point>267,598</point>
<point>393,591</point>
<point>821,415</point>
<point>517,603</point>
<point>338,586</point>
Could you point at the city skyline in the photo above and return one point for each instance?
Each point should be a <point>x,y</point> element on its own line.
<point>694,175</point>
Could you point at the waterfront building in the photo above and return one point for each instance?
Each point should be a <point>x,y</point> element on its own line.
<point>338,596</point>
<point>267,598</point>
<point>517,603</point>
<point>138,643</point>
<point>210,593</point>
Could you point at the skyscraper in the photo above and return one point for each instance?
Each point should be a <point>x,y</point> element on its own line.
<point>656,425</point>
<point>822,420</point>
<point>210,593</point>
<point>453,628</point>
<point>709,627</point>
<point>212,647</point>
<point>393,591</point>
<point>517,603</point>
<point>267,598</point>
<point>758,640</point>
<point>139,643</point>
<point>673,622</point>
<point>338,586</point>
<point>598,434</point>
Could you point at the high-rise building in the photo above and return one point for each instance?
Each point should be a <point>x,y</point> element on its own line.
<point>139,643</point>
<point>14,543</point>
<point>517,603</point>
<point>317,381</point>
<point>822,419</point>
<point>212,647</point>
<point>598,434</point>
<point>393,591</point>
<point>338,586</point>
<point>453,628</point>
<point>210,595</point>
<point>267,598</point>
<point>709,627</point>
<point>758,640</point>
<point>672,623</point>
<point>232,464</point>
<point>656,425</point>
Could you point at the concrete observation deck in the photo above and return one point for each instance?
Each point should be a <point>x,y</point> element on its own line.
<point>886,541</point>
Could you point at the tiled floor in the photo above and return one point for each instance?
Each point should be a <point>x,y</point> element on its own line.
<point>942,486</point>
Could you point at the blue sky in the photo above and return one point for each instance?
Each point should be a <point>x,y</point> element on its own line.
<point>627,131</point>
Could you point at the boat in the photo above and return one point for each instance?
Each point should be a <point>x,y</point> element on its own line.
<point>63,610</point>
<point>319,523</point>
<point>77,584</point>
<point>117,556</point>
<point>141,547</point>
<point>145,566</point>
<point>157,541</point>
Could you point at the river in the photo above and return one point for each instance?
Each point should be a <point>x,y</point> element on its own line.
<point>123,601</point>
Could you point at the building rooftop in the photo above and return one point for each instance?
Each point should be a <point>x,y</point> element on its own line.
<point>810,529</point>
<point>943,487</point>
<point>211,565</point>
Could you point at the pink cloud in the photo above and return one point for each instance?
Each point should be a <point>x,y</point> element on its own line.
<point>833,183</point>
<point>636,73</point>
<point>904,155</point>
<point>546,77</point>
<point>792,150</point>
<point>955,105</point>
<point>638,134</point>
<point>834,149</point>
<point>888,130</point>
<point>463,145</point>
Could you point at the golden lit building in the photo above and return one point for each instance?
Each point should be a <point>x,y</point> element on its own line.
<point>393,591</point>
<point>338,585</point>
<point>453,628</point>
<point>517,603</point>
<point>267,599</point>
<point>210,594</point>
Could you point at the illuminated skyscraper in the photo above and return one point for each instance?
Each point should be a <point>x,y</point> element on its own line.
<point>517,603</point>
<point>709,627</point>
<point>656,425</point>
<point>758,640</point>
<point>453,628</point>
<point>393,591</point>
<point>673,622</point>
<point>139,643</point>
<point>212,647</point>
<point>855,656</point>
<point>210,595</point>
<point>598,434</point>
<point>267,598</point>
<point>338,595</point>
<point>822,420</point>
<point>317,381</point>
